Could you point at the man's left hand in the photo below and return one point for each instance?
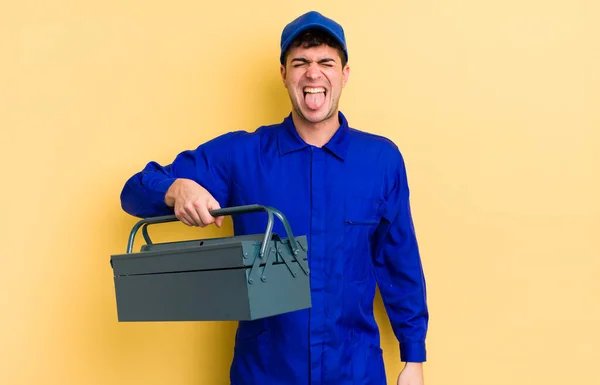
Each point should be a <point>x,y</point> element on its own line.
<point>412,374</point>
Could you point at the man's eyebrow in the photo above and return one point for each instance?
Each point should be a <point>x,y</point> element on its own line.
<point>300,59</point>
<point>327,60</point>
<point>305,60</point>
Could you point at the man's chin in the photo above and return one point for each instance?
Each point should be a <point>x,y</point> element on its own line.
<point>315,116</point>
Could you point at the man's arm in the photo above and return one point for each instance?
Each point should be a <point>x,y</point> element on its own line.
<point>208,166</point>
<point>398,266</point>
<point>412,374</point>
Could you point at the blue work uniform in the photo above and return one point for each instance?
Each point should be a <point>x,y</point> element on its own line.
<point>351,199</point>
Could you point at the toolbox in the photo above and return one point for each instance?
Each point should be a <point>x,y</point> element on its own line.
<point>242,277</point>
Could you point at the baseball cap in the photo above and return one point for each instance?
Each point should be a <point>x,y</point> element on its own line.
<point>311,20</point>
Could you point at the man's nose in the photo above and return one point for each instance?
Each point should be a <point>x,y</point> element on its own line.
<point>313,71</point>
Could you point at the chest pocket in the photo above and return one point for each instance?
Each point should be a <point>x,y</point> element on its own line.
<point>361,218</point>
<point>362,211</point>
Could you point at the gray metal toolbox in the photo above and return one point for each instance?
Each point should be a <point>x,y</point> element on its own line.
<point>232,278</point>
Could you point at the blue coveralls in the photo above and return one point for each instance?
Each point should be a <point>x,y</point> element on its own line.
<point>351,199</point>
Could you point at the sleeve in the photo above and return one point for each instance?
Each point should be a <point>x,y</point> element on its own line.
<point>398,266</point>
<point>209,165</point>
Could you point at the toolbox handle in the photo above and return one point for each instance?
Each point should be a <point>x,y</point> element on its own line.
<point>222,212</point>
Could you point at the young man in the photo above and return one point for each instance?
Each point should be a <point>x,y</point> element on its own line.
<point>345,189</point>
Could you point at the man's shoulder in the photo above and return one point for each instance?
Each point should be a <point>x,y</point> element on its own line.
<point>246,136</point>
<point>368,141</point>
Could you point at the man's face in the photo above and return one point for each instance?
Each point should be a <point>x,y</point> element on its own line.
<point>314,78</point>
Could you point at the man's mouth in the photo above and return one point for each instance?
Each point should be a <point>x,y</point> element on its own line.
<point>314,97</point>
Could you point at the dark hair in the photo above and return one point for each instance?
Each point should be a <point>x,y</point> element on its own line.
<point>314,38</point>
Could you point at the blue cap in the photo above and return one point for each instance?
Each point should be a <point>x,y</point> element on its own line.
<point>311,20</point>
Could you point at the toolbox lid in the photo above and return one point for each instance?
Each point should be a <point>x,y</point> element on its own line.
<point>237,252</point>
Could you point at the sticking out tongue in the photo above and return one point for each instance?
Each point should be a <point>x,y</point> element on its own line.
<point>315,101</point>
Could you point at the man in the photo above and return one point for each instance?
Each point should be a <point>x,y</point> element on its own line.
<point>345,189</point>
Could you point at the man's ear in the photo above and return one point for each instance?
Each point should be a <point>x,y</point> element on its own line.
<point>346,74</point>
<point>283,73</point>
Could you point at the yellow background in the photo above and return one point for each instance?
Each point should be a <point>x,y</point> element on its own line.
<point>495,105</point>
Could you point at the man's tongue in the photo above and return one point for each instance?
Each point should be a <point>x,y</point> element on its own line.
<point>314,101</point>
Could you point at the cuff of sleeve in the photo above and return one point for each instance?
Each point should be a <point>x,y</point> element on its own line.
<point>413,352</point>
<point>160,189</point>
<point>163,185</point>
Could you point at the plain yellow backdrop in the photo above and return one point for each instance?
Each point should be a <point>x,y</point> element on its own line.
<point>494,104</point>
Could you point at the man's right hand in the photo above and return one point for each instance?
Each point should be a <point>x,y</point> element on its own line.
<point>192,203</point>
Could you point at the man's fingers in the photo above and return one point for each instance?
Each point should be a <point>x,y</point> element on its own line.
<point>205,216</point>
<point>194,209</point>
<point>214,205</point>
<point>183,217</point>
<point>187,214</point>
<point>193,213</point>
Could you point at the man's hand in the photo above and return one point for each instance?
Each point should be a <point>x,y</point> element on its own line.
<point>192,203</point>
<point>412,374</point>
